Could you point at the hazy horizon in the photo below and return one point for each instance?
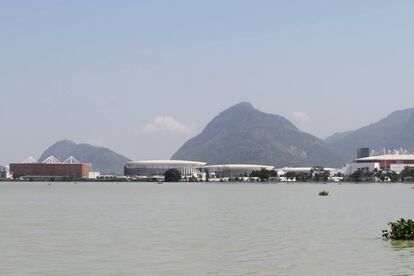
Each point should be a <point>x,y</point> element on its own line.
<point>143,77</point>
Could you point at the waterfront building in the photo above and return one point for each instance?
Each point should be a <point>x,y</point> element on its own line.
<point>94,175</point>
<point>281,172</point>
<point>50,168</point>
<point>396,162</point>
<point>363,152</point>
<point>157,168</point>
<point>234,170</point>
<point>284,170</point>
<point>4,173</point>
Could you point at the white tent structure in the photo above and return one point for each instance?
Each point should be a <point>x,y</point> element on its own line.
<point>51,160</point>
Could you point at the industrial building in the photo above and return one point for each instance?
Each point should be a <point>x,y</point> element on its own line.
<point>51,168</point>
<point>157,168</point>
<point>234,170</point>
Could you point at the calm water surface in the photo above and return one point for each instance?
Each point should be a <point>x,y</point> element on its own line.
<point>202,229</point>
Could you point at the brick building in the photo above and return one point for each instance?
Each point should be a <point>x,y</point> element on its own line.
<point>51,167</point>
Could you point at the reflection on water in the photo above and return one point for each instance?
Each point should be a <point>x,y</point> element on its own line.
<point>199,229</point>
<point>402,245</point>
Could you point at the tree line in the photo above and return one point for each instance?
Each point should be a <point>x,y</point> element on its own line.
<point>316,174</point>
<point>382,175</point>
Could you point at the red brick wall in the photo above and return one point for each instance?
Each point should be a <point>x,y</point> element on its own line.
<point>39,169</point>
<point>385,164</point>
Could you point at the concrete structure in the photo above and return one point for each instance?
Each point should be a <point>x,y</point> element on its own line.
<point>363,152</point>
<point>395,162</point>
<point>2,172</point>
<point>284,170</point>
<point>5,173</point>
<point>234,170</point>
<point>365,167</point>
<point>94,175</point>
<point>398,168</point>
<point>157,168</point>
<point>50,168</point>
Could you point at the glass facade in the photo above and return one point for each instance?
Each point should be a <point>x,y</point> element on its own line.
<point>159,169</point>
<point>233,171</point>
<point>362,153</point>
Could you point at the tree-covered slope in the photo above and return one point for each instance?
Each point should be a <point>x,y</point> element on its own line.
<point>242,134</point>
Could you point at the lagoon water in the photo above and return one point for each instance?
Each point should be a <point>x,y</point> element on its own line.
<point>202,229</point>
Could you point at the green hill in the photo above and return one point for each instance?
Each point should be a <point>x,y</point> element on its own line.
<point>393,132</point>
<point>242,134</point>
<point>102,159</point>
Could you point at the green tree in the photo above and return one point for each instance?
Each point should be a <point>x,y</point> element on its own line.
<point>273,173</point>
<point>263,174</point>
<point>393,176</point>
<point>339,174</point>
<point>172,175</point>
<point>207,175</point>
<point>290,175</point>
<point>407,173</point>
<point>361,176</point>
<point>319,174</point>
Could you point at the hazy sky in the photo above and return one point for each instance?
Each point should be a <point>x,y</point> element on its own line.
<point>141,77</point>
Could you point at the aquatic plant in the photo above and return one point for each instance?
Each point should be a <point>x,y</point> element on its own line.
<point>400,230</point>
<point>324,193</point>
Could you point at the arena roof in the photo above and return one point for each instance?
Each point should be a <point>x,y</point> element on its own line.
<point>388,157</point>
<point>166,163</point>
<point>238,167</point>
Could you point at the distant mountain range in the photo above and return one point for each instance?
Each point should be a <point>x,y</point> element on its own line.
<point>102,159</point>
<point>393,132</point>
<point>243,134</point>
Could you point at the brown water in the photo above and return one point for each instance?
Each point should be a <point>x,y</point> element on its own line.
<point>202,229</point>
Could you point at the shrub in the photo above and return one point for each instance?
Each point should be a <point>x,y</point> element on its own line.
<point>400,230</point>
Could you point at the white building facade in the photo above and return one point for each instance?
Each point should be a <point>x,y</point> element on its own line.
<point>393,162</point>
<point>157,168</point>
<point>234,170</point>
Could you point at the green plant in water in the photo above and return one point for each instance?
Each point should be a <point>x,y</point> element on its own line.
<point>324,193</point>
<point>400,230</point>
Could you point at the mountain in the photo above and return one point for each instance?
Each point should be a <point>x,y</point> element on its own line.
<point>242,134</point>
<point>337,136</point>
<point>393,132</point>
<point>102,159</point>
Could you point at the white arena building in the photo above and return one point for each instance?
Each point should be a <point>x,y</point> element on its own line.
<point>395,162</point>
<point>235,170</point>
<point>157,168</point>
